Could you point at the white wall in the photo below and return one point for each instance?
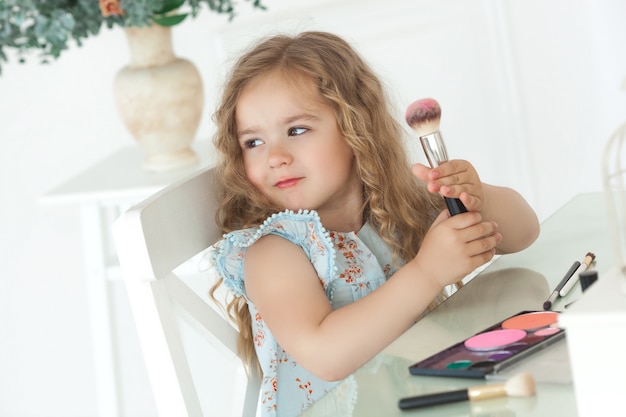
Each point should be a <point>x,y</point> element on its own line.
<point>530,92</point>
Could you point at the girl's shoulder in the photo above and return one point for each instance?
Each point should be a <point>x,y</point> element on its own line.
<point>302,228</point>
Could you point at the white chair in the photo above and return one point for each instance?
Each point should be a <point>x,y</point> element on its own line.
<point>153,238</point>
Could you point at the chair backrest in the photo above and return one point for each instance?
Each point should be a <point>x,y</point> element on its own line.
<point>153,239</point>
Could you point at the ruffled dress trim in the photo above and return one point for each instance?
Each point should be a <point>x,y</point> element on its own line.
<point>302,228</point>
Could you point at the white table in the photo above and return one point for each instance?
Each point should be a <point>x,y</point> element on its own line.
<point>102,192</point>
<point>514,282</point>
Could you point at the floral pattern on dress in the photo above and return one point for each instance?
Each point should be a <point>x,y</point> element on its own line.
<point>347,269</point>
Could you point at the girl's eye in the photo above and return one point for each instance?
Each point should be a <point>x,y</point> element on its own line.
<point>295,131</point>
<point>252,143</point>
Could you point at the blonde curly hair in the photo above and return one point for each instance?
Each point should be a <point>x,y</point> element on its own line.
<point>396,204</point>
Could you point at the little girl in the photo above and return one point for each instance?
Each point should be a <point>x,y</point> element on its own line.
<point>334,248</point>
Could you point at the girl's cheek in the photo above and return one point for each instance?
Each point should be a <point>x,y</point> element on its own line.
<point>254,177</point>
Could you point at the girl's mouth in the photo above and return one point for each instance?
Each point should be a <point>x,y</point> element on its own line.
<point>288,182</point>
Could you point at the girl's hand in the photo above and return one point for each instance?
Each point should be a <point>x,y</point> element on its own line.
<point>455,179</point>
<point>455,246</point>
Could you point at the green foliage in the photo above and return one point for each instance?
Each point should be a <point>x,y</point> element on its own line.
<point>47,27</point>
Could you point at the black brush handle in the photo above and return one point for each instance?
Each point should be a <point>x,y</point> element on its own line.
<point>455,206</point>
<point>433,399</point>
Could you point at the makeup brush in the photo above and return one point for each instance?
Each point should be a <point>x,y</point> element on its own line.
<point>520,385</point>
<point>584,265</point>
<point>423,116</point>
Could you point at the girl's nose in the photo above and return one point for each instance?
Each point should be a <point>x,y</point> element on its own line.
<point>279,156</point>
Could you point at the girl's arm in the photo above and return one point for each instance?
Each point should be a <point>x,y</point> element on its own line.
<point>516,220</point>
<point>332,344</point>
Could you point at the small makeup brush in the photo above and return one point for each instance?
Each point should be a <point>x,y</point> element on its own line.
<point>423,116</point>
<point>584,265</point>
<point>520,385</point>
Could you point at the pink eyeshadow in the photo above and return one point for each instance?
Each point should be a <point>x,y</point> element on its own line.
<point>547,331</point>
<point>495,339</point>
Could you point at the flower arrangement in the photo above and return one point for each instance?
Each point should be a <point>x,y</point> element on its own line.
<point>48,26</point>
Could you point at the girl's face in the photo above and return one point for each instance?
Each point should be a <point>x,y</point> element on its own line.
<point>293,151</point>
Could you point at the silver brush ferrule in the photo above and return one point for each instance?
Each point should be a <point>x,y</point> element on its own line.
<point>434,148</point>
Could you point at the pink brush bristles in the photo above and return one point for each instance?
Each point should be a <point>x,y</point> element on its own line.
<point>423,115</point>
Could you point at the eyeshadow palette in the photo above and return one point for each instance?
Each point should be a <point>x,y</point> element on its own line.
<point>494,348</point>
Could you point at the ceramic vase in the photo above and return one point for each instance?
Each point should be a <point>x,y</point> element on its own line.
<point>160,99</point>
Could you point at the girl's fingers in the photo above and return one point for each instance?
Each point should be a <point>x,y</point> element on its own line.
<point>485,246</point>
<point>450,168</point>
<point>422,172</point>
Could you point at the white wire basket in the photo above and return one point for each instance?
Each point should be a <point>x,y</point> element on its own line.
<point>614,176</point>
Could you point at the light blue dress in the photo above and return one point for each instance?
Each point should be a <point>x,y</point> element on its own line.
<point>349,266</point>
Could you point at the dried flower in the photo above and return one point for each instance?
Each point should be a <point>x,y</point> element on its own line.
<point>49,27</point>
<point>111,8</point>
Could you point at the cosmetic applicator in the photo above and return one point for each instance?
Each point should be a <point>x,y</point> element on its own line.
<point>423,116</point>
<point>520,385</point>
<point>584,265</point>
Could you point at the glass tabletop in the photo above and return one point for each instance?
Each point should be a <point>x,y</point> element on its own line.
<point>513,283</point>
